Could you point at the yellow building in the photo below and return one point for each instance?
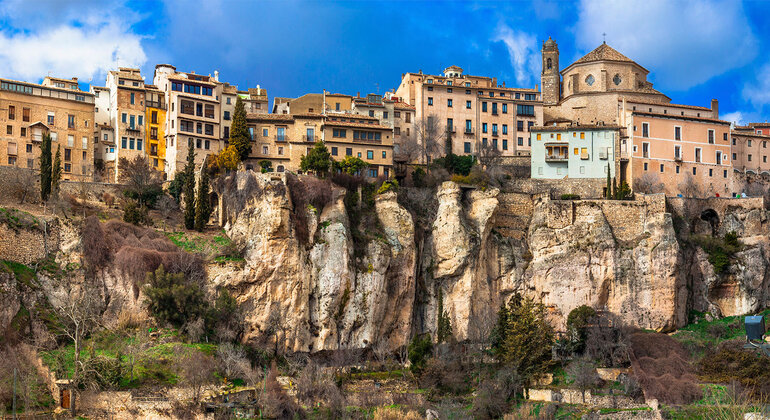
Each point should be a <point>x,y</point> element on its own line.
<point>155,115</point>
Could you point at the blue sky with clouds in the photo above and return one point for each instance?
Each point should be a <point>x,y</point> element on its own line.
<point>695,51</point>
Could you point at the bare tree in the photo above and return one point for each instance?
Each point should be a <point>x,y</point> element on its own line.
<point>408,149</point>
<point>196,370</point>
<point>689,187</point>
<point>134,350</point>
<point>231,358</point>
<point>274,324</point>
<point>24,183</point>
<point>491,160</point>
<point>583,372</point>
<point>649,183</point>
<point>78,316</point>
<point>381,350</point>
<point>430,134</point>
<point>141,182</point>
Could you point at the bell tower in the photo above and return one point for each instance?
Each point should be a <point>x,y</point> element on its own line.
<point>550,78</point>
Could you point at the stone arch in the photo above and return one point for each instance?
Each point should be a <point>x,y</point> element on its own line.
<point>751,171</point>
<point>548,63</point>
<point>712,217</point>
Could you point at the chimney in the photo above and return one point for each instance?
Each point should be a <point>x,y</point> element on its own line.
<point>216,75</point>
<point>537,88</point>
<point>715,108</point>
<point>74,79</point>
<point>420,71</point>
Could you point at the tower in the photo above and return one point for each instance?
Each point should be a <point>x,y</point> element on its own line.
<point>550,78</point>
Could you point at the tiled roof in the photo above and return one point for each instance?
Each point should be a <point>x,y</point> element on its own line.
<point>403,105</point>
<point>356,125</point>
<point>603,52</point>
<point>270,117</point>
<point>680,117</point>
<point>759,125</point>
<point>700,108</point>
<point>576,127</point>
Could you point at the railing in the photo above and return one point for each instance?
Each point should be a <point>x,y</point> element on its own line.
<point>556,158</point>
<point>373,141</point>
<point>281,138</point>
<point>468,131</point>
<point>132,128</point>
<point>310,138</point>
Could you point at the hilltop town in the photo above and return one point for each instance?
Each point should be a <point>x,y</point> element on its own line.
<point>453,248</point>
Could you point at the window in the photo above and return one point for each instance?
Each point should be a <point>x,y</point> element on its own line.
<point>67,167</point>
<point>336,106</point>
<point>371,113</point>
<point>199,128</point>
<point>227,133</point>
<point>373,172</point>
<point>678,152</point>
<point>711,172</point>
<point>694,170</point>
<point>724,136</point>
<point>25,116</point>
<point>177,86</point>
<point>310,134</point>
<point>334,148</point>
<point>494,108</point>
<point>131,119</point>
<point>719,158</point>
<point>645,166</point>
<point>494,129</point>
<point>483,127</point>
<point>483,107</point>
<point>645,130</point>
<point>139,144</point>
<point>199,110</point>
<point>67,154</point>
<point>141,120</point>
<point>123,144</point>
<point>338,132</point>
<point>228,100</point>
<point>23,131</point>
<point>280,151</point>
<point>646,149</point>
<point>430,100</point>
<point>520,141</point>
<point>711,137</point>
<point>131,143</point>
<point>734,156</point>
<point>70,141</point>
<point>725,173</point>
<point>505,144</point>
<point>677,133</point>
<point>505,128</point>
<point>51,118</point>
<point>186,126</point>
<point>525,110</point>
<point>467,147</point>
<point>505,108</point>
<point>697,154</point>
<point>467,104</point>
<point>84,142</point>
<point>468,126</point>
<point>450,125</point>
<point>29,148</point>
<point>70,121</point>
<point>265,150</point>
<point>186,107</point>
<point>467,84</point>
<point>749,157</point>
<point>384,115</point>
<point>280,133</point>
<point>9,129</point>
<point>449,103</point>
<point>11,112</point>
<point>661,168</point>
<point>209,111</point>
<point>198,143</point>
<point>733,141</point>
<point>132,98</point>
<point>408,119</point>
<point>677,169</point>
<point>264,132</point>
<point>209,129</point>
<point>749,144</point>
<point>348,151</point>
<point>520,125</point>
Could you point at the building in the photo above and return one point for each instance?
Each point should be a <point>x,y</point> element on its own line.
<point>605,87</point>
<point>193,114</point>
<point>155,117</point>
<point>574,151</point>
<point>127,117</point>
<point>750,149</point>
<point>474,109</point>
<point>363,137</point>
<point>281,139</point>
<point>255,100</point>
<point>104,134</point>
<point>58,107</point>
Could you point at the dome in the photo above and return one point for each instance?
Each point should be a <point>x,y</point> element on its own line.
<point>550,44</point>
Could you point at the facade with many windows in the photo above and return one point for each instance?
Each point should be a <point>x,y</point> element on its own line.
<point>127,116</point>
<point>155,117</point>
<point>750,150</point>
<point>58,107</point>
<point>574,151</point>
<point>475,110</point>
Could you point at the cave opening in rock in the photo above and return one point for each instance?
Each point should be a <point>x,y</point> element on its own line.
<point>711,216</point>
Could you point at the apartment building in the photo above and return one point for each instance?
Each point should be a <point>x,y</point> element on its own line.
<point>104,134</point>
<point>750,149</point>
<point>363,137</point>
<point>375,106</point>
<point>673,146</point>
<point>255,100</point>
<point>127,116</point>
<point>194,113</point>
<point>56,106</point>
<point>476,110</point>
<point>229,98</point>
<point>155,117</point>
<point>574,151</point>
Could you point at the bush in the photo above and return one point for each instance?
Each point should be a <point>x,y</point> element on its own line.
<point>577,322</point>
<point>173,299</point>
<point>419,350</point>
<point>493,393</point>
<point>275,403</point>
<point>570,197</point>
<point>418,177</point>
<point>266,166</point>
<point>444,376</point>
<point>388,186</point>
<point>719,251</point>
<point>663,370</point>
<point>730,362</point>
<point>135,213</point>
<point>476,177</point>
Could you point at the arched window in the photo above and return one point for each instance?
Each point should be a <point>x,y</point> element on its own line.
<point>548,63</point>
<point>280,168</point>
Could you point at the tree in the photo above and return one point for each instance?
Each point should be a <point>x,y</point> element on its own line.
<point>24,183</point>
<point>266,166</point>
<point>225,160</point>
<point>649,183</point>
<point>490,158</point>
<point>351,165</point>
<point>524,337</point>
<point>56,172</point>
<point>189,187</point>
<point>173,299</point>
<point>176,186</point>
<point>196,370</point>
<point>443,324</point>
<point>140,181</point>
<point>407,149</point>
<point>203,204</point>
<point>689,187</point>
<point>239,131</point>
<point>419,351</point>
<point>577,322</point>
<point>583,372</point>
<point>608,193</point>
<point>318,160</point>
<point>428,131</point>
<point>45,167</point>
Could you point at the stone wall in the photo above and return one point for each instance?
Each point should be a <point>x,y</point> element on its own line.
<point>513,214</point>
<point>95,190</point>
<point>585,188</point>
<point>28,245</point>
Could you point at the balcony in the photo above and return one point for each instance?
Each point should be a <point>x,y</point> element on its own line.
<point>132,128</point>
<point>556,157</point>
<point>678,157</point>
<point>495,134</point>
<point>468,131</point>
<point>283,138</point>
<point>310,138</point>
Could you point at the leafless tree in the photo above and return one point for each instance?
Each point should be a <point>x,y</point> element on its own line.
<point>231,358</point>
<point>79,315</point>
<point>491,160</point>
<point>139,179</point>
<point>649,183</point>
<point>134,350</point>
<point>195,329</point>
<point>167,206</point>
<point>274,325</point>
<point>430,135</point>
<point>196,370</point>
<point>381,350</point>
<point>689,187</point>
<point>583,372</point>
<point>407,149</point>
<point>250,374</point>
<point>24,183</point>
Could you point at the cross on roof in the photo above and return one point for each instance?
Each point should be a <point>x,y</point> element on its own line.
<point>604,36</point>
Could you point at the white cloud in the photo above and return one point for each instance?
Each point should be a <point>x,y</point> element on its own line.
<point>85,47</point>
<point>757,91</point>
<point>682,43</point>
<point>523,51</point>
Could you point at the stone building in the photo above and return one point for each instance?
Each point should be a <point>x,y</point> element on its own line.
<point>476,110</point>
<point>605,87</point>
<point>56,106</point>
<point>104,134</point>
<point>574,151</point>
<point>155,116</point>
<point>127,116</point>
<point>750,149</point>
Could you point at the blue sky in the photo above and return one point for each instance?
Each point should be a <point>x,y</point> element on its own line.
<point>695,51</point>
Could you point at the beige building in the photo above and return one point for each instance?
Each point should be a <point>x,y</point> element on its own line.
<point>57,106</point>
<point>104,134</point>
<point>750,150</point>
<point>475,109</point>
<point>656,137</point>
<point>127,114</point>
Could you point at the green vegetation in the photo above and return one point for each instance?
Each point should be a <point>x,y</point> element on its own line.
<point>569,197</point>
<point>56,171</point>
<point>19,220</point>
<point>443,324</point>
<point>419,351</point>
<point>351,165</point>
<point>219,247</point>
<point>266,166</point>
<point>317,160</point>
<point>720,250</point>
<point>173,299</point>
<point>202,203</point>
<point>46,166</point>
<point>456,164</point>
<point>189,187</point>
<point>24,274</point>
<point>239,131</point>
<point>136,214</point>
<point>388,186</point>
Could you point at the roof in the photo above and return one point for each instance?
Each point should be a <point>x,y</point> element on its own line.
<point>603,53</point>
<point>403,105</point>
<point>701,108</point>
<point>680,117</point>
<point>356,125</point>
<point>576,127</point>
<point>270,117</point>
<point>759,125</point>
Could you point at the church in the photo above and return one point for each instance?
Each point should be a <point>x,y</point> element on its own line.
<point>669,144</point>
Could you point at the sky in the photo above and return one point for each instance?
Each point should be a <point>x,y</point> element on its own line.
<point>695,51</point>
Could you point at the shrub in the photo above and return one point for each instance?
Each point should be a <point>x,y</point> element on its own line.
<point>662,368</point>
<point>570,197</point>
<point>351,165</point>
<point>577,322</point>
<point>419,350</point>
<point>476,177</point>
<point>96,245</point>
<point>173,299</point>
<point>317,160</point>
<point>493,393</point>
<point>388,186</point>
<point>275,403</point>
<point>446,376</point>
<point>418,177</point>
<point>135,213</point>
<point>730,362</point>
<point>266,166</point>
<point>719,251</point>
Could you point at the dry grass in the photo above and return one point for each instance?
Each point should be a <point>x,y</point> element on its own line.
<point>663,369</point>
<point>393,413</point>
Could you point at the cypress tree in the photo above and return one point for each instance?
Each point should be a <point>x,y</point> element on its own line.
<point>608,194</point>
<point>189,187</point>
<point>45,167</point>
<point>202,205</point>
<point>444,327</point>
<point>239,132</point>
<point>56,172</point>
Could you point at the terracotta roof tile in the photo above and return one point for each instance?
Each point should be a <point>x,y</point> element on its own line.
<point>601,53</point>
<point>701,108</point>
<point>680,117</point>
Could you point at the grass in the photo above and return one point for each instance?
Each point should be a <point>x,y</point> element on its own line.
<point>702,334</point>
<point>24,274</point>
<point>19,219</point>
<point>219,246</point>
<point>720,250</point>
